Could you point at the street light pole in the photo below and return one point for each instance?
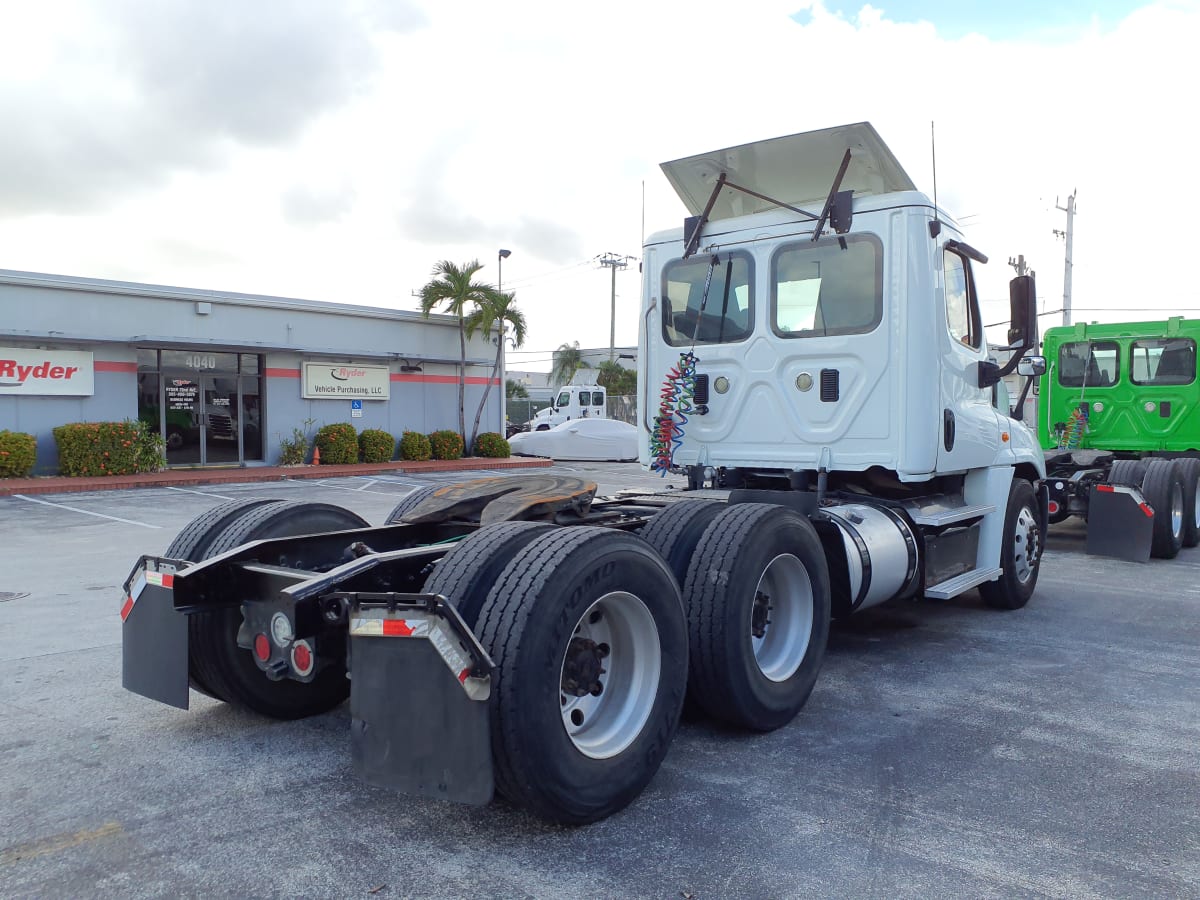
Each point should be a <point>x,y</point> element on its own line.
<point>500,258</point>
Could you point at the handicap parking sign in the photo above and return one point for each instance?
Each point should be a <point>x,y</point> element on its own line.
<point>356,409</point>
<point>356,404</point>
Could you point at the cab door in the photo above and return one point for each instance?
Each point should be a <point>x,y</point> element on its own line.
<point>969,436</point>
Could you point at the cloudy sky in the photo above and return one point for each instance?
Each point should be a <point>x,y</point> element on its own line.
<point>337,149</point>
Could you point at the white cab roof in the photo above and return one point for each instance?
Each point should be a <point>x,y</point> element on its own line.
<point>796,169</point>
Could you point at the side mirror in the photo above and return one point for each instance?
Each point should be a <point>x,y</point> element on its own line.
<point>1023,319</point>
<point>1032,366</point>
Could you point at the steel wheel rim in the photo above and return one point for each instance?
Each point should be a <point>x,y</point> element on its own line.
<point>787,592</point>
<point>601,726</point>
<point>1025,545</point>
<point>1196,503</point>
<point>1176,509</point>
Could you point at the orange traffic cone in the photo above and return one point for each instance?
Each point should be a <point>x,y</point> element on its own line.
<point>316,456</point>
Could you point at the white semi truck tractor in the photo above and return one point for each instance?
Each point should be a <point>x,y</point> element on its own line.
<point>812,359</point>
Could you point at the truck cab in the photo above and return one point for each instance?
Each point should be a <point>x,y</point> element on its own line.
<point>573,401</point>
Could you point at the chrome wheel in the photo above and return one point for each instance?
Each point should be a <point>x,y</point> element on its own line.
<point>1026,545</point>
<point>1177,509</point>
<point>610,675</point>
<point>781,617</point>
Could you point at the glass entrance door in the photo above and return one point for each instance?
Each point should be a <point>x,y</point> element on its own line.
<point>184,414</point>
<point>220,419</point>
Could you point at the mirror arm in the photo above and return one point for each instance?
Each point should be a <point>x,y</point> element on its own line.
<point>990,373</point>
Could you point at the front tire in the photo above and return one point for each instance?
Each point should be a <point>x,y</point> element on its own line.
<point>1020,553</point>
<point>587,631</point>
<point>758,606</point>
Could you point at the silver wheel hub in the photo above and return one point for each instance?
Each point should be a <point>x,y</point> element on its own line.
<point>781,617</point>
<point>609,677</point>
<point>1176,509</point>
<point>1026,545</point>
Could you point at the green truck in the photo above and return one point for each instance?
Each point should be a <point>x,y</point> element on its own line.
<point>1119,420</point>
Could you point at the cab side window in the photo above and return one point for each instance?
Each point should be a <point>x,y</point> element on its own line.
<point>962,307</point>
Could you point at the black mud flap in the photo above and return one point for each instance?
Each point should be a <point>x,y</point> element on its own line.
<point>1120,523</point>
<point>419,688</point>
<point>154,638</point>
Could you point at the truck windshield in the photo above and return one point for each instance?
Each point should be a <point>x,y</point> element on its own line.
<point>1165,361</point>
<point>821,289</point>
<point>728,313</point>
<point>1088,364</point>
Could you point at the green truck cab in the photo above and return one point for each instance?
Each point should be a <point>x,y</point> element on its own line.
<point>1119,412</point>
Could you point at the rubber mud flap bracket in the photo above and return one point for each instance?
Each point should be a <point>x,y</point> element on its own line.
<point>154,637</point>
<point>418,703</point>
<point>1120,523</point>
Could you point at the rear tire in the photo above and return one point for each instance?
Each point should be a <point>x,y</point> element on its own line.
<point>411,500</point>
<point>1164,491</point>
<point>675,532</point>
<point>1020,553</point>
<point>1189,471</point>
<point>1129,472</point>
<point>756,561</point>
<point>212,636</point>
<point>572,602</point>
<point>466,574</point>
<point>192,545</point>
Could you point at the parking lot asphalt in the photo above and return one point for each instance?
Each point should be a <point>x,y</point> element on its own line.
<point>948,749</point>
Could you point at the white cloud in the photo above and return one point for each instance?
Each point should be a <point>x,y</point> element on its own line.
<point>336,151</point>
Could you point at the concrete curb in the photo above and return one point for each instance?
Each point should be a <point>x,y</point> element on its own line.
<point>186,477</point>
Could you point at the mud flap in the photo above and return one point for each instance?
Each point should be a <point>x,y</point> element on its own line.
<point>419,688</point>
<point>154,638</point>
<point>1120,523</point>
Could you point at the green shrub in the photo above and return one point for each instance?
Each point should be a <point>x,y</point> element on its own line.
<point>375,445</point>
<point>446,444</point>
<point>108,448</point>
<point>294,450</point>
<point>338,443</point>
<point>18,452</point>
<point>491,444</point>
<point>415,446</point>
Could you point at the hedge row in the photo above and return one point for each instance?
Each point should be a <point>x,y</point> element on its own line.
<point>340,444</point>
<point>108,448</point>
<point>18,452</point>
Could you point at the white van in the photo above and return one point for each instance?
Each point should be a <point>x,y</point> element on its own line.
<point>574,401</point>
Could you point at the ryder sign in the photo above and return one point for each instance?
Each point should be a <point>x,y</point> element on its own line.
<point>345,382</point>
<point>61,373</point>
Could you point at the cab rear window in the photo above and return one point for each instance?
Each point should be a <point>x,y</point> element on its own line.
<point>1163,361</point>
<point>1088,364</point>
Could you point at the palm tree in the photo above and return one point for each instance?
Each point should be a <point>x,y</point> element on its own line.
<point>495,312</point>
<point>452,287</point>
<point>568,359</point>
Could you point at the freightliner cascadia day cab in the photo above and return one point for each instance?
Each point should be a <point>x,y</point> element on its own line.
<point>821,378</point>
<point>1119,419</point>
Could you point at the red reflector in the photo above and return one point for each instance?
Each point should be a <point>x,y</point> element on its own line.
<point>462,676</point>
<point>262,647</point>
<point>1147,510</point>
<point>396,628</point>
<point>302,658</point>
<point>126,608</point>
<point>1107,488</point>
<point>1052,507</point>
<point>168,581</point>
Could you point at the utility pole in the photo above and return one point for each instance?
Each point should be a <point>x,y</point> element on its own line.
<point>614,262</point>
<point>1019,265</point>
<point>1069,209</point>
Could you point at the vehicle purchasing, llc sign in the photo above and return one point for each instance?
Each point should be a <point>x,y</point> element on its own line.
<point>337,381</point>
<point>61,373</point>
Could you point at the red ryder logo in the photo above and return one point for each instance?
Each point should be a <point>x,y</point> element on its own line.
<point>32,372</point>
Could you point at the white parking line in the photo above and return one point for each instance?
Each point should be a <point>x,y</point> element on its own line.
<point>365,486</point>
<point>201,493</point>
<point>86,512</point>
<point>351,490</point>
